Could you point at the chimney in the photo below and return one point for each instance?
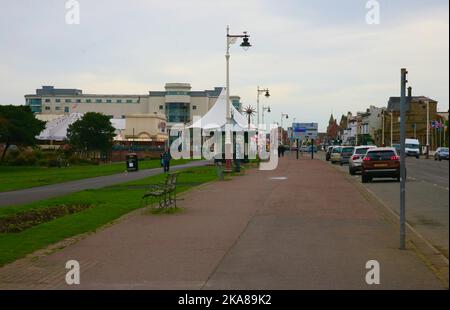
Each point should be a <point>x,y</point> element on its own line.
<point>409,92</point>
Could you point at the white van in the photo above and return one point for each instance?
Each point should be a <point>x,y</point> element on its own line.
<point>412,147</point>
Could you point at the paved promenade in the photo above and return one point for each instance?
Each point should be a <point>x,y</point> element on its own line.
<point>302,226</point>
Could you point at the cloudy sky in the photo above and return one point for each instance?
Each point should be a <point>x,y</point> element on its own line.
<point>316,56</point>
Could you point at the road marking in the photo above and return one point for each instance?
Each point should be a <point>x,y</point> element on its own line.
<point>279,178</point>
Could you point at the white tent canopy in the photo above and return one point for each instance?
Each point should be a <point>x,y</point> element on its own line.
<point>56,129</point>
<point>216,117</point>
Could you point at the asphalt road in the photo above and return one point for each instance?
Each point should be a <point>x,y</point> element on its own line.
<point>427,198</point>
<point>49,191</point>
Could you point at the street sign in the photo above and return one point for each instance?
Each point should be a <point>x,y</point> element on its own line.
<point>305,130</point>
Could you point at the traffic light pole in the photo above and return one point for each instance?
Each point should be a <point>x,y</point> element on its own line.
<point>404,74</point>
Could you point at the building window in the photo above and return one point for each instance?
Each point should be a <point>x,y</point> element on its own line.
<point>194,107</point>
<point>57,108</point>
<point>236,104</point>
<point>129,101</point>
<point>58,100</point>
<point>98,100</point>
<point>78,100</point>
<point>123,116</point>
<point>35,105</point>
<point>108,101</point>
<point>119,100</point>
<point>88,100</point>
<point>47,100</point>
<point>66,109</point>
<point>68,100</point>
<point>161,107</point>
<point>47,108</point>
<point>177,93</point>
<point>177,112</point>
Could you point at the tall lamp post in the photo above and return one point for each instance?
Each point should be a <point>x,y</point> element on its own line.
<point>267,95</point>
<point>283,115</point>
<point>231,39</point>
<point>263,110</point>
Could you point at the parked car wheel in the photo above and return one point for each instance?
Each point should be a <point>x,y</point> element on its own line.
<point>351,171</point>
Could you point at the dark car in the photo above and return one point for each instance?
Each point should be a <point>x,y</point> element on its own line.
<point>346,153</point>
<point>441,153</point>
<point>380,163</point>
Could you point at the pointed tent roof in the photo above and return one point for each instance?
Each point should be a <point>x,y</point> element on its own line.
<point>56,129</point>
<point>216,116</point>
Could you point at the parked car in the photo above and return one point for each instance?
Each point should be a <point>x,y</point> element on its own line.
<point>346,153</point>
<point>397,147</point>
<point>355,161</point>
<point>412,148</point>
<point>328,153</point>
<point>441,153</point>
<point>336,154</point>
<point>312,148</point>
<point>380,163</point>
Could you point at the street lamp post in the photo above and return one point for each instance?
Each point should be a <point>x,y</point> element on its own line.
<point>281,123</point>
<point>392,128</point>
<point>428,130</point>
<point>382,129</point>
<point>231,39</point>
<point>267,95</point>
<point>263,110</point>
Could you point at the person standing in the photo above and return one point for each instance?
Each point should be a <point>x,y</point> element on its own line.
<point>166,160</point>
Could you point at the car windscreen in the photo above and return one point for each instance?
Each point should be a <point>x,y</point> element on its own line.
<point>361,151</point>
<point>348,150</point>
<point>444,150</point>
<point>337,150</point>
<point>412,146</point>
<point>380,155</point>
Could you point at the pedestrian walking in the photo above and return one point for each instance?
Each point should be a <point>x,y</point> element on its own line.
<point>166,160</point>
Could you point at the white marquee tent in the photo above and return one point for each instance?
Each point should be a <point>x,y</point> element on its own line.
<point>216,117</point>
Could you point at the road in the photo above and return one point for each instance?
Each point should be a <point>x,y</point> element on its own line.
<point>427,198</point>
<point>49,191</point>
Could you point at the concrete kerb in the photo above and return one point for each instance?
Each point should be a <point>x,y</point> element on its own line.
<point>430,255</point>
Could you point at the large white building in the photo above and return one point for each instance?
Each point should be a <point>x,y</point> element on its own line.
<point>177,102</point>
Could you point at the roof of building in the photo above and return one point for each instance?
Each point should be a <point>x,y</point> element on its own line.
<point>394,102</point>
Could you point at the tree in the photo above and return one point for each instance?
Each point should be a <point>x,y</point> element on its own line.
<point>18,126</point>
<point>93,132</point>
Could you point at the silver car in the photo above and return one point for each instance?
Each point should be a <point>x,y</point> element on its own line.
<point>355,161</point>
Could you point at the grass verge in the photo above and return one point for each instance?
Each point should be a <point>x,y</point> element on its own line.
<point>107,204</point>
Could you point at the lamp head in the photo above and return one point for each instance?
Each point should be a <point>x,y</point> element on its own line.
<point>245,43</point>
<point>267,94</point>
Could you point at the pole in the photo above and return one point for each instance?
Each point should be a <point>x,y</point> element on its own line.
<point>382,130</point>
<point>402,160</point>
<point>428,130</point>
<point>392,128</point>
<point>228,144</point>
<point>298,147</point>
<point>257,106</point>
<point>312,148</point>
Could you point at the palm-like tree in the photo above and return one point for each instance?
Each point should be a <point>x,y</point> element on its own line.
<point>249,111</point>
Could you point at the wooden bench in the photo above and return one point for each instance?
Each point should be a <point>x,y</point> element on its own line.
<point>166,192</point>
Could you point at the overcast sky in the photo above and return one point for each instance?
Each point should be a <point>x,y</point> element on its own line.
<point>316,56</point>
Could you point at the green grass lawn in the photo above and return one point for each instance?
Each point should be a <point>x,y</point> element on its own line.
<point>17,177</point>
<point>108,204</point>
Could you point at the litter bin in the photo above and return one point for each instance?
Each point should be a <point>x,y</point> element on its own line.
<point>132,162</point>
